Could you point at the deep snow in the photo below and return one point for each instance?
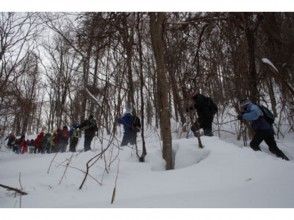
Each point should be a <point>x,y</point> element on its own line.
<point>222,174</point>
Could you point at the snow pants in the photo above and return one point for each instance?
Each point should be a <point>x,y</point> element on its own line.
<point>205,122</point>
<point>129,137</point>
<point>62,146</point>
<point>73,144</point>
<point>269,139</point>
<point>88,140</point>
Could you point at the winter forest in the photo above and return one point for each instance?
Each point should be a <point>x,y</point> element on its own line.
<point>58,70</point>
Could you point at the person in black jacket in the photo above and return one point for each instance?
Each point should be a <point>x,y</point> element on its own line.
<point>90,128</point>
<point>206,109</point>
<point>11,140</point>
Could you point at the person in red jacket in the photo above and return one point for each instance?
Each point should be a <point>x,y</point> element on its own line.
<point>38,142</point>
<point>20,145</point>
<point>63,139</point>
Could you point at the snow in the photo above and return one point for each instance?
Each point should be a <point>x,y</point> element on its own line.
<point>223,174</point>
<point>267,61</point>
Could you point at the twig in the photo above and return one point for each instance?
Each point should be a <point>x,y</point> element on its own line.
<point>19,180</point>
<point>93,160</point>
<point>13,189</point>
<point>230,132</point>
<point>66,167</point>
<point>115,184</point>
<point>51,162</point>
<point>88,174</point>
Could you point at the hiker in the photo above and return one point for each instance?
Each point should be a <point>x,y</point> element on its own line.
<point>31,145</point>
<point>90,128</point>
<point>11,140</point>
<point>206,109</point>
<point>63,139</point>
<point>23,145</point>
<point>74,137</point>
<point>20,145</point>
<point>38,142</point>
<point>262,128</point>
<point>46,143</point>
<point>54,140</point>
<point>131,125</point>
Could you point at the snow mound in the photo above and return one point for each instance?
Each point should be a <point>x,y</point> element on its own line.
<point>189,155</point>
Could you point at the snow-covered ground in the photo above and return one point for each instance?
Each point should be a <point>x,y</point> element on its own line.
<point>223,174</point>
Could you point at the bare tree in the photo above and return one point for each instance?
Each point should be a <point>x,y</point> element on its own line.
<point>157,32</point>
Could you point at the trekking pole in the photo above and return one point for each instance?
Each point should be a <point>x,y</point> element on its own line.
<point>243,132</point>
<point>196,131</point>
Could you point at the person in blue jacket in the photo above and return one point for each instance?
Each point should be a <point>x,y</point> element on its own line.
<point>130,132</point>
<point>263,129</point>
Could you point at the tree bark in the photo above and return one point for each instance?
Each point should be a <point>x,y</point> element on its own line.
<point>156,30</point>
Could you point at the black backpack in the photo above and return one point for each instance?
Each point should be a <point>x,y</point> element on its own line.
<point>212,106</point>
<point>267,114</point>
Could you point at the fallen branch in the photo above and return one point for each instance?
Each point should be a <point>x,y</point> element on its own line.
<point>20,184</point>
<point>93,160</point>
<point>115,183</point>
<point>13,189</point>
<point>51,162</point>
<point>66,166</point>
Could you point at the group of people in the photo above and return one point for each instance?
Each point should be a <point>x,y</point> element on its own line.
<point>56,141</point>
<point>204,106</point>
<point>262,127</point>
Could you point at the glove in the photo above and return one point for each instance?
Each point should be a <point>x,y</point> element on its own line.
<point>240,117</point>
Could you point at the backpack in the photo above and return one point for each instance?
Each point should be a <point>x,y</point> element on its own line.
<point>212,106</point>
<point>136,123</point>
<point>267,114</point>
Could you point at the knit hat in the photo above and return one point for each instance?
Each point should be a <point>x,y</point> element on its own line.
<point>244,102</point>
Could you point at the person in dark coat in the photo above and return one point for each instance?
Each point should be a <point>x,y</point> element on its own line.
<point>46,143</point>
<point>74,137</point>
<point>90,128</point>
<point>11,140</point>
<point>31,145</point>
<point>130,129</point>
<point>262,128</point>
<point>206,109</point>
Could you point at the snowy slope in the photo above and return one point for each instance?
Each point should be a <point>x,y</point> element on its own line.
<point>220,175</point>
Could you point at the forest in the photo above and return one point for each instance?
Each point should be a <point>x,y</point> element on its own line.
<point>59,68</point>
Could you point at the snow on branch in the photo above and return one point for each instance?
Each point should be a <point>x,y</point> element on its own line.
<point>267,61</point>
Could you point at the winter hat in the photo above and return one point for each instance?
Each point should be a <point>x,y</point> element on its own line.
<point>244,102</point>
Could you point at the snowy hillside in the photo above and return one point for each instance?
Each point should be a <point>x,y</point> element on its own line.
<point>220,175</point>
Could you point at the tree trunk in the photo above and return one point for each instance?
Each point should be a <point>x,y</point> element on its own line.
<point>144,151</point>
<point>156,31</point>
<point>249,31</point>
